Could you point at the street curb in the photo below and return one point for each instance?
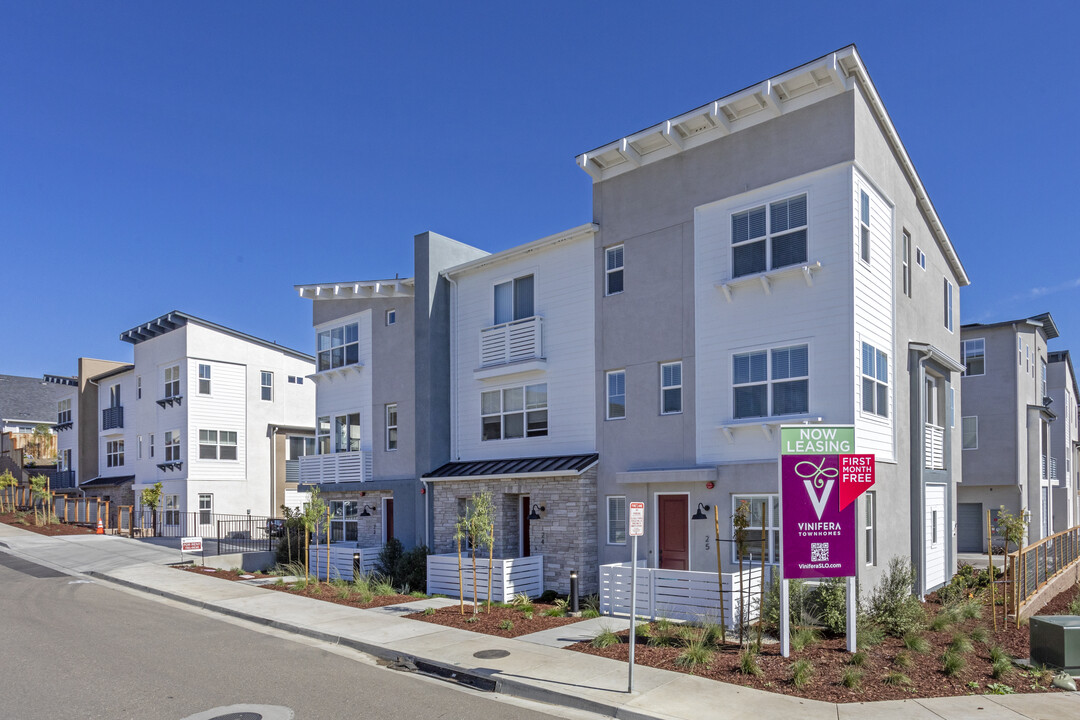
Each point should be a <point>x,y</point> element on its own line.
<point>513,688</point>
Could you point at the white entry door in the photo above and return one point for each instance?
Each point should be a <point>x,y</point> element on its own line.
<point>934,522</point>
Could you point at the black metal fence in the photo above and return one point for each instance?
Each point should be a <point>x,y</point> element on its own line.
<point>229,533</point>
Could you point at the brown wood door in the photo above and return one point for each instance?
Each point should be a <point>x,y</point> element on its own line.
<point>674,529</point>
<point>388,517</point>
<point>526,508</point>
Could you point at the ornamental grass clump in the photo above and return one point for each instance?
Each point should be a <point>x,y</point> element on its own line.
<point>801,673</point>
<point>980,635</point>
<point>916,643</point>
<point>804,638</point>
<point>896,678</point>
<point>748,664</point>
<point>606,638</point>
<point>696,654</point>
<point>902,660</point>
<point>851,679</point>
<point>960,644</point>
<point>857,659</point>
<point>952,662</point>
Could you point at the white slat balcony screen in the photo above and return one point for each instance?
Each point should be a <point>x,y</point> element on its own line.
<point>336,467</point>
<point>512,341</point>
<point>934,446</point>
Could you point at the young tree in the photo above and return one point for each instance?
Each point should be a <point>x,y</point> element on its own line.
<point>313,514</point>
<point>7,481</point>
<point>40,491</point>
<point>1012,529</point>
<point>476,526</point>
<point>151,498</point>
<point>741,521</point>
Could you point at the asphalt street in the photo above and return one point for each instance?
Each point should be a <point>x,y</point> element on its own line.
<point>75,648</point>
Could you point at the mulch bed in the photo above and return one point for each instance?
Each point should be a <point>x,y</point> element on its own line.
<point>830,659</point>
<point>322,591</point>
<point>488,623</point>
<point>51,529</point>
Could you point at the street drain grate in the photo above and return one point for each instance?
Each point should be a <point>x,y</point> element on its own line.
<point>491,654</point>
<point>239,716</point>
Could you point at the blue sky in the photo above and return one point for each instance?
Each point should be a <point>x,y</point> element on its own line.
<point>207,156</point>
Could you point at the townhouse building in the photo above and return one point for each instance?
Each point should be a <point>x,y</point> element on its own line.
<point>769,258</point>
<point>1064,440</point>
<point>77,427</point>
<point>1006,413</point>
<point>209,412</point>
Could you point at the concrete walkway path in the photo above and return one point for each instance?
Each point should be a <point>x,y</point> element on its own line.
<point>532,667</point>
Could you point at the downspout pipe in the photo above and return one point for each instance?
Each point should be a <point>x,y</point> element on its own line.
<point>918,519</point>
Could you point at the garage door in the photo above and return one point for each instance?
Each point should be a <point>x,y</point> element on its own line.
<point>969,528</point>
<point>935,536</point>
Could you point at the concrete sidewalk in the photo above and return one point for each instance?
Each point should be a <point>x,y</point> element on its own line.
<point>532,668</point>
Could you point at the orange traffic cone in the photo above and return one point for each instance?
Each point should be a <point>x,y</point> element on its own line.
<point>100,528</point>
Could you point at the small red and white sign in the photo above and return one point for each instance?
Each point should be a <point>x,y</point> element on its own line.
<point>856,477</point>
<point>191,544</point>
<point>637,519</point>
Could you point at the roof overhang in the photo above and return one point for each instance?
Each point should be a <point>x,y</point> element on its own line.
<point>515,468</point>
<point>176,319</point>
<point>358,289</point>
<point>932,352</point>
<point>805,85</point>
<point>107,481</point>
<point>580,232</point>
<point>110,373</point>
<point>1042,320</point>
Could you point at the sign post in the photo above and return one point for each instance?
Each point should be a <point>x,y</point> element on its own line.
<point>820,479</point>
<point>191,545</point>
<point>637,529</point>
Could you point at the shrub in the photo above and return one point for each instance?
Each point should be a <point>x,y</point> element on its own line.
<point>1074,604</point>
<point>471,619</point>
<point>606,638</point>
<point>389,558</point>
<point>413,568</point>
<point>916,643</point>
<point>851,678</point>
<point>506,625</point>
<point>801,672</point>
<point>892,606</point>
<point>829,600</point>
<point>429,611</point>
<point>527,614</point>
<point>952,662</point>
<point>999,689</point>
<point>591,602</point>
<point>748,664</point>
<point>555,612</point>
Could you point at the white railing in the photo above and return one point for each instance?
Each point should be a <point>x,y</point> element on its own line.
<point>336,467</point>
<point>341,560</point>
<point>509,576</point>
<point>934,446</point>
<point>512,341</point>
<point>679,594</point>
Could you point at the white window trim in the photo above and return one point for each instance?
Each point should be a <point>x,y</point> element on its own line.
<point>870,527</point>
<point>920,257</point>
<point>948,302</point>
<point>768,237</point>
<point>114,453</point>
<point>609,271</point>
<point>524,412</point>
<point>625,520</point>
<point>678,387</point>
<point>877,381</point>
<point>865,236</point>
<point>772,524</point>
<point>607,395</point>
<point>329,328</point>
<point>390,427</point>
<point>963,356</point>
<point>905,262</point>
<point>391,317</point>
<point>769,381</point>
<point>174,446</point>
<point>173,388</point>
<point>264,386</point>
<point>208,379</point>
<point>218,444</point>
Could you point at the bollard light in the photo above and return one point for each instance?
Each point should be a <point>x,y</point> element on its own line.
<point>573,592</point>
<point>355,566</point>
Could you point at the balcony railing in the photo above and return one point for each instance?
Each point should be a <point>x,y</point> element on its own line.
<point>934,446</point>
<point>112,418</point>
<point>512,341</point>
<point>336,467</point>
<point>63,479</point>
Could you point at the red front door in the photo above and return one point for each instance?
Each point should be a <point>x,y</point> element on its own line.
<point>674,526</point>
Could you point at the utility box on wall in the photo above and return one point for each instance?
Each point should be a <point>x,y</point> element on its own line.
<point>1055,641</point>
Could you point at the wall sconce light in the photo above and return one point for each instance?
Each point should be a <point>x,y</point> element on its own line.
<point>699,515</point>
<point>365,513</point>
<point>536,515</point>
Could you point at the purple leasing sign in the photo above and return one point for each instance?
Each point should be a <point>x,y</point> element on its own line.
<point>818,539</point>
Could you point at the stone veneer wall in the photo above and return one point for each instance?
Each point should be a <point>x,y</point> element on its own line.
<point>368,529</point>
<point>119,495</point>
<point>565,534</point>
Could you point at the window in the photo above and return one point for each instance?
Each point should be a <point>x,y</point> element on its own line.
<point>172,446</point>
<point>756,247</point>
<point>299,446</point>
<point>63,411</point>
<point>973,356</point>
<point>172,509</point>
<point>514,300</point>
<point>347,433</point>
<point>391,317</point>
<point>905,262</point>
<point>1042,375</point>
<point>339,346</point>
<point>871,527</point>
<point>920,258</point>
<point>204,379</point>
<point>266,383</point>
<point>948,305</point>
<point>217,445</point>
<point>514,412</point>
<point>787,393</point>
<point>296,380</point>
<point>114,396</point>
<point>139,439</point>
<point>391,426</point>
<point>864,228</point>
<point>933,527</point>
<point>616,519</point>
<point>616,394</point>
<point>322,434</point>
<point>875,381</point>
<point>206,508</point>
<point>172,382</point>
<point>114,453</point>
<point>65,460</point>
<point>671,388</point>
<point>769,526</point>
<point>151,445</point>
<point>138,388</point>
<point>613,262</point>
<point>343,520</point>
<point>969,429</point>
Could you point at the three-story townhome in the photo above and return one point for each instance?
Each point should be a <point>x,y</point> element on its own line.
<point>1007,415</point>
<point>117,448</point>
<point>771,258</point>
<point>1064,439</point>
<point>211,411</point>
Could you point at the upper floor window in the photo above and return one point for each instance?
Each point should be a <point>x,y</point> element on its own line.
<point>1042,375</point>
<point>339,346</point>
<point>948,305</point>
<point>671,388</point>
<point>905,262</point>
<point>514,412</point>
<point>347,433</point>
<point>172,446</point>
<point>864,228</point>
<point>973,356</point>
<point>762,241</point>
<point>514,300</point>
<point>613,262</point>
<point>969,431</point>
<point>172,381</point>
<point>322,434</point>
<point>391,426</point>
<point>299,446</point>
<point>217,445</point>
<point>266,385</point>
<point>114,453</point>
<point>777,379</point>
<point>875,381</point>
<point>296,379</point>
<point>920,258</point>
<point>114,396</point>
<point>616,394</point>
<point>63,411</point>
<point>138,388</point>
<point>391,316</point>
<point>204,379</point>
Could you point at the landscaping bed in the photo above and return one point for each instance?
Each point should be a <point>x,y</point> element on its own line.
<point>365,594</point>
<point>25,521</point>
<point>952,653</point>
<point>504,620</point>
